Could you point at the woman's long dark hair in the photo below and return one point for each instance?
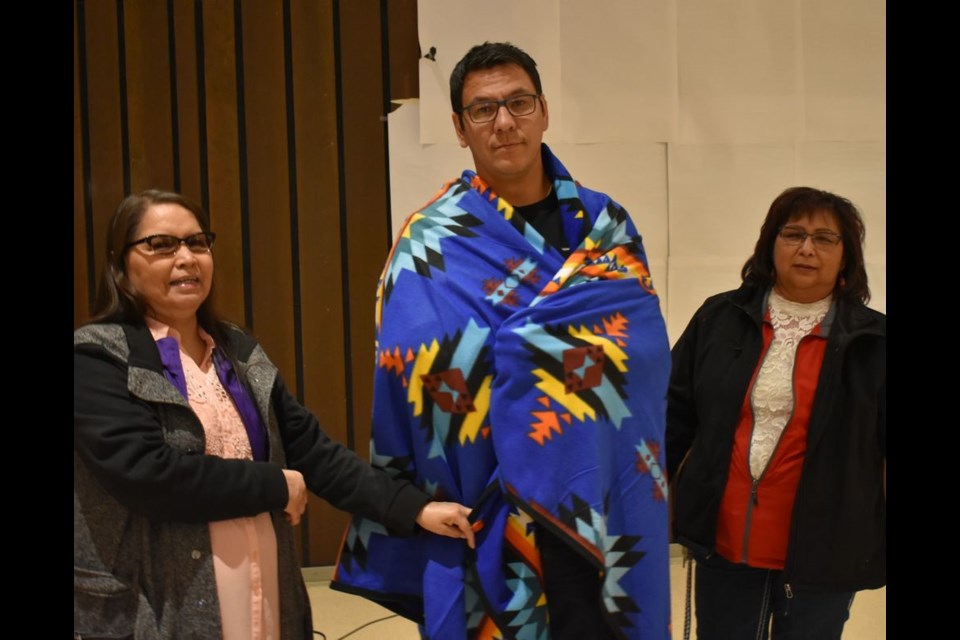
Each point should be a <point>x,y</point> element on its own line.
<point>117,299</point>
<point>802,201</point>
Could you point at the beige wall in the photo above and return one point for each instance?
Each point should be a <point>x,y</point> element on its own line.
<point>693,114</point>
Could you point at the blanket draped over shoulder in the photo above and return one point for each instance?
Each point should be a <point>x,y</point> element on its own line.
<point>531,388</point>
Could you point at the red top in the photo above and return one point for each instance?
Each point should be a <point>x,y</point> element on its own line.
<point>755,529</point>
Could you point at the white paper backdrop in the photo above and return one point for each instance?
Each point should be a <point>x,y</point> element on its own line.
<point>692,114</point>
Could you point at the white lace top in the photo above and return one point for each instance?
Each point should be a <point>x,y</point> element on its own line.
<point>772,395</point>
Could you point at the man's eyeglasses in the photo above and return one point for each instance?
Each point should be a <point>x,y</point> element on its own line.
<point>486,111</point>
<point>164,245</point>
<point>821,239</point>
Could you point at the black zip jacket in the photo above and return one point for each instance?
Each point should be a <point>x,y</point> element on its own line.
<point>838,531</point>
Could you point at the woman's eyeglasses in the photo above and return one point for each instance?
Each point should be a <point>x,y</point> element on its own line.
<point>798,235</point>
<point>163,244</point>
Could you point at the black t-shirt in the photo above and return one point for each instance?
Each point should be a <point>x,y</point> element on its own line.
<point>545,217</point>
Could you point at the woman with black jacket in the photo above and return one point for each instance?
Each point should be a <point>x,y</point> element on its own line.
<point>192,460</point>
<point>776,431</point>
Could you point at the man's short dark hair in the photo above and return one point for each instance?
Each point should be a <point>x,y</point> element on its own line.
<point>487,56</point>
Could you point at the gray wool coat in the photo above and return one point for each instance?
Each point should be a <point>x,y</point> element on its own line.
<point>144,492</point>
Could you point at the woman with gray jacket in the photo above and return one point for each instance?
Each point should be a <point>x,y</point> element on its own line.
<point>192,459</point>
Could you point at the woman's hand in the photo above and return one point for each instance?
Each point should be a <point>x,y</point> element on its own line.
<point>297,492</point>
<point>447,519</point>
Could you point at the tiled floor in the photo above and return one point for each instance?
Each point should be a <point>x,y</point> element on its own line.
<point>340,616</point>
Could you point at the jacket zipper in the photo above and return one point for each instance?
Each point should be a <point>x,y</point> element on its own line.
<point>755,482</point>
<point>751,501</point>
<point>755,486</point>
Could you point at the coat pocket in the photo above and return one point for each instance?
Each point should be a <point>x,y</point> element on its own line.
<point>104,606</point>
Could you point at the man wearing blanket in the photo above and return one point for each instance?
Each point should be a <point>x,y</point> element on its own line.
<point>522,369</point>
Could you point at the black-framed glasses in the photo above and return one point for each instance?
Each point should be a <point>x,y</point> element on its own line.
<point>164,245</point>
<point>821,239</point>
<point>486,110</point>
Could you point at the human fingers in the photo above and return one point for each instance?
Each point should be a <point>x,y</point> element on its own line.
<point>466,527</point>
<point>296,495</point>
<point>447,519</point>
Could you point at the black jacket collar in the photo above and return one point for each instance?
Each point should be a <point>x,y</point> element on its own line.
<point>852,317</point>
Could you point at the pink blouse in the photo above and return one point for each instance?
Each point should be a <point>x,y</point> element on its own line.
<point>244,549</point>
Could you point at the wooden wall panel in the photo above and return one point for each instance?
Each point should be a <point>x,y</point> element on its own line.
<point>273,119</point>
<point>223,153</point>
<point>104,123</point>
<point>81,290</point>
<point>318,205</point>
<point>188,140</point>
<point>404,43</point>
<point>149,116</point>
<point>265,122</point>
<point>365,194</point>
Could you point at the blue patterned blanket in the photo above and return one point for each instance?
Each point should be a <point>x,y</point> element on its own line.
<point>532,388</point>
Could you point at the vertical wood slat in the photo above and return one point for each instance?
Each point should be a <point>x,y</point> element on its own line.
<point>318,198</point>
<point>81,291</point>
<point>103,99</point>
<point>182,102</point>
<point>149,117</point>
<point>404,46</point>
<point>365,194</point>
<point>269,195</point>
<point>188,127</point>
<point>223,152</point>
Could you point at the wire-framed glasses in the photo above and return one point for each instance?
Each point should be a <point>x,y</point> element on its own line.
<point>163,244</point>
<point>486,110</point>
<point>821,239</point>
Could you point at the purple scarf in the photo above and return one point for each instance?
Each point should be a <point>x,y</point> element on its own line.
<point>173,371</point>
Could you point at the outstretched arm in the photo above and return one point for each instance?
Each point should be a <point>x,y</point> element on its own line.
<point>348,482</point>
